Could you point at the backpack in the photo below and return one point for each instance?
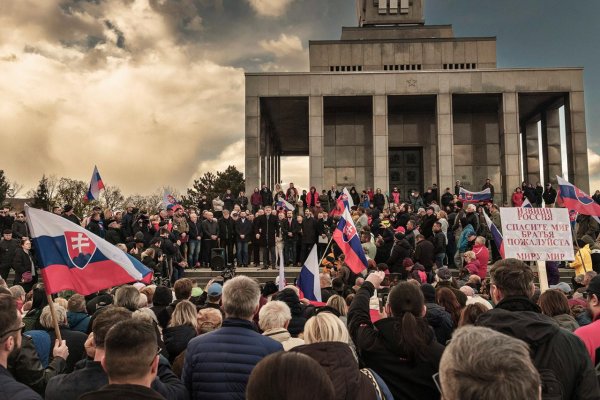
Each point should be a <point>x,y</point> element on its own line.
<point>42,344</point>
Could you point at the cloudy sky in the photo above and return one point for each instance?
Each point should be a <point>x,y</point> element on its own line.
<point>152,91</point>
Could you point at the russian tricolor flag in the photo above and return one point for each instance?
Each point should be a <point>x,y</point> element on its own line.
<point>71,257</point>
<point>308,280</point>
<point>96,185</point>
<point>346,237</point>
<point>474,197</point>
<point>498,239</point>
<point>282,203</point>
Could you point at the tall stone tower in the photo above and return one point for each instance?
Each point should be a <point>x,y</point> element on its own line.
<point>389,12</point>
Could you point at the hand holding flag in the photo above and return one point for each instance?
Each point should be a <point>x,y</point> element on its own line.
<point>346,237</point>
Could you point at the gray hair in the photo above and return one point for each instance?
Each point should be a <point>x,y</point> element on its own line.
<point>500,368</point>
<point>46,316</point>
<point>128,297</point>
<point>240,297</point>
<point>274,314</point>
<point>17,291</point>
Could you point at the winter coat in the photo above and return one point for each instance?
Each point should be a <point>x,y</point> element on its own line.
<point>25,365</point>
<point>379,201</point>
<point>400,251</point>
<point>20,229</point>
<point>517,199</point>
<point>583,260</point>
<point>284,337</point>
<point>463,242</point>
<point>11,389</point>
<point>218,364</point>
<point>243,228</point>
<point>567,322</point>
<point>78,321</point>
<point>439,243</point>
<point>473,267</point>
<point>228,201</point>
<point>266,227</point>
<point>113,235</point>
<point>342,368</point>
<point>290,226</point>
<point>7,252</point>
<point>75,341</point>
<point>587,225</point>
<point>380,350</point>
<point>90,376</point>
<point>441,322</point>
<point>549,196</point>
<point>427,226</point>
<point>123,391</point>
<point>23,262</point>
<point>209,228</point>
<point>266,197</point>
<point>554,350</point>
<point>256,199</point>
<point>309,230</point>
<point>177,339</point>
<point>226,230</point>
<point>483,256</point>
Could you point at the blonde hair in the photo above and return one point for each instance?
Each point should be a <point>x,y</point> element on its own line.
<point>442,214</point>
<point>209,319</point>
<point>62,302</point>
<point>480,240</point>
<point>471,255</point>
<point>325,327</point>
<point>337,302</point>
<point>46,316</point>
<point>145,314</point>
<point>184,314</point>
<point>149,252</point>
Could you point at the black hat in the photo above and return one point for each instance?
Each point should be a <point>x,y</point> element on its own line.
<point>67,208</point>
<point>594,286</point>
<point>428,292</point>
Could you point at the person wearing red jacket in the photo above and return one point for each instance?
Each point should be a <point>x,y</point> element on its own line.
<point>517,197</point>
<point>483,256</point>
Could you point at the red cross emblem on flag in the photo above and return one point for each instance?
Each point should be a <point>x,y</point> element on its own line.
<point>80,248</point>
<point>469,196</point>
<point>349,232</point>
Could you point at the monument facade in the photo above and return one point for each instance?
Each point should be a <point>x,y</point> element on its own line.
<point>396,102</point>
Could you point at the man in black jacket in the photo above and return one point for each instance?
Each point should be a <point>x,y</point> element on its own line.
<point>309,234</point>
<point>400,251</point>
<point>266,195</point>
<point>243,234</point>
<point>265,229</point>
<point>560,357</point>
<point>8,245</point>
<point>549,195</point>
<point>289,232</point>
<point>439,244</point>
<point>447,198</point>
<point>227,235</point>
<point>424,253</point>
<point>427,222</point>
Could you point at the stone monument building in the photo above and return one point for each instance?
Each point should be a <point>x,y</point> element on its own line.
<point>396,102</point>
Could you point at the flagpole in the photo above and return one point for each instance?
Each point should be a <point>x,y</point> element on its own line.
<point>325,252</point>
<point>48,295</point>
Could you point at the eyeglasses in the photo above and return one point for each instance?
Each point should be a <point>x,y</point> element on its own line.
<point>436,380</point>
<point>158,350</point>
<point>21,326</point>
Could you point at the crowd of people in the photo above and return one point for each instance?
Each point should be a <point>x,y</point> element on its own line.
<point>437,314</point>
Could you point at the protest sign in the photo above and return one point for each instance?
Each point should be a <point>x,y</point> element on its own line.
<point>537,234</point>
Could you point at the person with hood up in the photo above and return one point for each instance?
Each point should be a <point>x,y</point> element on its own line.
<point>439,319</point>
<point>402,348</point>
<point>561,358</point>
<point>327,339</point>
<point>583,258</point>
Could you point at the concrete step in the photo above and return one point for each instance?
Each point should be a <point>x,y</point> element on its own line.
<point>203,275</point>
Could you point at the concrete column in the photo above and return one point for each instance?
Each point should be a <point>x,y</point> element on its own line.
<point>278,174</point>
<point>577,141</point>
<point>510,156</point>
<point>445,141</point>
<point>381,169</point>
<point>316,140</point>
<point>252,135</point>
<point>551,139</point>
<point>532,155</point>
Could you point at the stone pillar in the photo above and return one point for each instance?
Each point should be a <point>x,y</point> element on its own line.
<point>445,141</point>
<point>252,135</point>
<point>532,152</point>
<point>315,145</point>
<point>577,141</point>
<point>381,168</point>
<point>509,145</point>
<point>552,147</point>
<point>278,174</point>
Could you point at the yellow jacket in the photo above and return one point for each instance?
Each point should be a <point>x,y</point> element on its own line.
<point>579,266</point>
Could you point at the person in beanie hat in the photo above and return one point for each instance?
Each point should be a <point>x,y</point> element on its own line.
<point>69,214</point>
<point>400,251</point>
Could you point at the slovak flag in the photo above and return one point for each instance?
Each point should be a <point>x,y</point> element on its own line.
<point>282,203</point>
<point>574,199</point>
<point>346,237</point>
<point>96,185</point>
<point>498,239</point>
<point>343,201</point>
<point>308,280</point>
<point>70,257</point>
<point>474,197</point>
